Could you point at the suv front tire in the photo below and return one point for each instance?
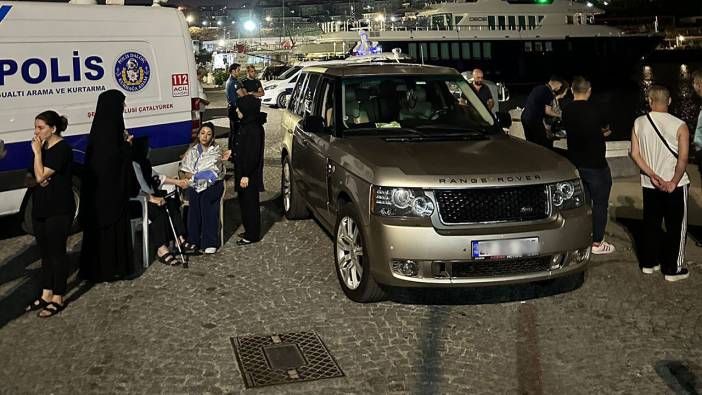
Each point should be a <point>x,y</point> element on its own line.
<point>351,257</point>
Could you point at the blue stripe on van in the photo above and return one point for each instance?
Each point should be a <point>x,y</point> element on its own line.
<point>19,155</point>
<point>4,10</point>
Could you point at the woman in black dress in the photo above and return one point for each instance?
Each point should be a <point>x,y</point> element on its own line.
<point>248,166</point>
<point>52,209</point>
<point>106,254</point>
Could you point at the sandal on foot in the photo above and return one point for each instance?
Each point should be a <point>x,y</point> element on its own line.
<point>52,308</point>
<point>38,304</point>
<point>189,248</point>
<point>165,259</point>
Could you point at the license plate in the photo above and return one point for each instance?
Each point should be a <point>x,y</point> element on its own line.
<point>504,249</point>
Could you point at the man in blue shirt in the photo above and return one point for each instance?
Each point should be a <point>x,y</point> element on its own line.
<point>232,89</point>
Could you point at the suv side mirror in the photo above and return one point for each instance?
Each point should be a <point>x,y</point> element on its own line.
<point>504,120</point>
<point>313,124</point>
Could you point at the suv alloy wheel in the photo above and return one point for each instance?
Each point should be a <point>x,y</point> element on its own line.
<point>352,262</point>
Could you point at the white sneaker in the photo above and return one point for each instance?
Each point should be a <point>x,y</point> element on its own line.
<point>680,275</point>
<point>210,250</point>
<point>603,249</point>
<point>650,270</point>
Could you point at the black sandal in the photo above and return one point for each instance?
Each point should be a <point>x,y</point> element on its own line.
<point>38,304</point>
<point>164,259</point>
<point>53,309</point>
<point>188,248</point>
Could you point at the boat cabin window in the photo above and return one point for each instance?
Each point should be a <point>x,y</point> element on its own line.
<point>532,22</point>
<point>491,22</point>
<point>570,20</point>
<point>522,22</point>
<point>501,22</point>
<point>512,22</point>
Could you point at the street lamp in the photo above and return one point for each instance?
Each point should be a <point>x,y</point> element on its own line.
<point>268,18</point>
<point>204,23</point>
<point>219,23</point>
<point>249,26</point>
<point>189,19</point>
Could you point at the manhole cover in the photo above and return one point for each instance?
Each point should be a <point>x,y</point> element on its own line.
<point>283,358</point>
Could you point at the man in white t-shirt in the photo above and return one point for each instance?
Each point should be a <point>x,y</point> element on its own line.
<point>659,146</point>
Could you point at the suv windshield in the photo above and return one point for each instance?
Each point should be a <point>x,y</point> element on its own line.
<point>432,104</point>
<point>288,73</point>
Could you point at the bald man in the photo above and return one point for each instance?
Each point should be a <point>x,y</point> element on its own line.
<point>481,89</point>
<point>659,146</point>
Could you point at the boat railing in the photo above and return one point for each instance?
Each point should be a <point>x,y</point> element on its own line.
<point>399,28</point>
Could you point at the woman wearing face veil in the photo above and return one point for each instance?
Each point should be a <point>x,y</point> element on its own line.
<point>106,254</point>
<point>248,166</point>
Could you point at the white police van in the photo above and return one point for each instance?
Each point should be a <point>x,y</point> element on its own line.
<point>62,56</point>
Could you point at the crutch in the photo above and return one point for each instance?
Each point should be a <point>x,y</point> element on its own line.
<point>183,258</point>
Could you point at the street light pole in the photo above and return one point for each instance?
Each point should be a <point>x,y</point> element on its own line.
<point>282,35</point>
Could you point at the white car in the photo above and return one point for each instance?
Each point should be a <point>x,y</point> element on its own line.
<point>277,90</point>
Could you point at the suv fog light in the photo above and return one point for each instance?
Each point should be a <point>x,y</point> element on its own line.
<point>406,268</point>
<point>581,255</point>
<point>557,261</point>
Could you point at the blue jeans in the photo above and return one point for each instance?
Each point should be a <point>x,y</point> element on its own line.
<point>203,216</point>
<point>598,183</point>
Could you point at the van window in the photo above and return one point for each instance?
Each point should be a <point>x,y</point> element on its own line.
<point>294,102</point>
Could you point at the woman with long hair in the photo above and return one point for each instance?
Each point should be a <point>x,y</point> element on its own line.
<point>52,209</point>
<point>106,254</point>
<point>203,170</point>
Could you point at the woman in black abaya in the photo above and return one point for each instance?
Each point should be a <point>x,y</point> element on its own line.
<point>106,254</point>
<point>248,166</point>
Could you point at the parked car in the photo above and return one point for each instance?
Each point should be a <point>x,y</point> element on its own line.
<point>273,71</point>
<point>422,189</point>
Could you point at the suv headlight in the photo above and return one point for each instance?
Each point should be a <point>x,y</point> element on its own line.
<point>566,195</point>
<point>271,86</point>
<point>400,202</point>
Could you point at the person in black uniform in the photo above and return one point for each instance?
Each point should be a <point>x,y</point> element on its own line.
<point>108,177</point>
<point>248,167</point>
<point>53,209</point>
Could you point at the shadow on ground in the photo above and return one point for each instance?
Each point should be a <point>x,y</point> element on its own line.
<point>680,376</point>
<point>486,295</point>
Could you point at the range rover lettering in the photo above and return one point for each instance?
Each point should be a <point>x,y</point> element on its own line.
<point>419,185</point>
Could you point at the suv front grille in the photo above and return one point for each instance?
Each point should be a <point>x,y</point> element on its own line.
<point>512,204</point>
<point>497,268</point>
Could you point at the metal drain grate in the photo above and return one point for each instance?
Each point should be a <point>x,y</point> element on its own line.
<point>283,359</point>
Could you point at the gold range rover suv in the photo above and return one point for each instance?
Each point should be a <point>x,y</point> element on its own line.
<point>420,186</point>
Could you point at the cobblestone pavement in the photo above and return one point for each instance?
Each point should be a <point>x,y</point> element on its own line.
<point>167,331</point>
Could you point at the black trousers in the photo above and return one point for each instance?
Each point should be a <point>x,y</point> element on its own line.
<point>598,184</point>
<point>250,212</point>
<point>667,247</point>
<point>160,227</point>
<point>51,234</point>
<point>536,133</point>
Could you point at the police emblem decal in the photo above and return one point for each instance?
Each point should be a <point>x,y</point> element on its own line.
<point>132,72</point>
